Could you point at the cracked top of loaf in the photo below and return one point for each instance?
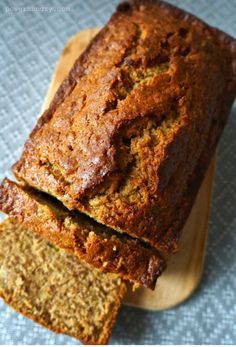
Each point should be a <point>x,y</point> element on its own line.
<point>130,132</point>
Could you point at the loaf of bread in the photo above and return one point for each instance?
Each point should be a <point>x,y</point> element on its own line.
<point>129,135</point>
<point>78,234</point>
<point>55,289</point>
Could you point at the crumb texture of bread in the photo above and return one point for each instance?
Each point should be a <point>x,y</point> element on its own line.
<point>76,233</point>
<point>126,132</point>
<point>55,289</point>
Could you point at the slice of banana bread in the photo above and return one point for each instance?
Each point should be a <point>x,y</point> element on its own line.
<point>55,289</point>
<point>123,138</point>
<point>76,233</point>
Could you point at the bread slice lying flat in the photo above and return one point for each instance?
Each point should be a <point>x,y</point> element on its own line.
<point>55,289</point>
<point>76,233</point>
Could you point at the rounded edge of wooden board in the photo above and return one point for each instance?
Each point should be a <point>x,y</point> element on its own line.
<point>81,39</point>
<point>169,306</point>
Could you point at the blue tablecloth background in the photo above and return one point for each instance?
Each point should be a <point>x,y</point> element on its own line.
<point>30,43</point>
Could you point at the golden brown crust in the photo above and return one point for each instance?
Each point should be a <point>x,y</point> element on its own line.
<point>11,296</point>
<point>96,245</point>
<point>133,119</point>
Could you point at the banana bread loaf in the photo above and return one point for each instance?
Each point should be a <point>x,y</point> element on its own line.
<point>55,289</point>
<point>78,234</point>
<point>129,135</point>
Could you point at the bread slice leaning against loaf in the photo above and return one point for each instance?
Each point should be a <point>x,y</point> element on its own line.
<point>76,233</point>
<point>55,289</point>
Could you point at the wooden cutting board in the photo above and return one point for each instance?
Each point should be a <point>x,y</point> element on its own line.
<point>185,268</point>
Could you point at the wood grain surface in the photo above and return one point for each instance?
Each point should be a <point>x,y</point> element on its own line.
<point>185,268</point>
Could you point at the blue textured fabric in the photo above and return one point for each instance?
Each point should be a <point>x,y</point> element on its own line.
<point>30,43</point>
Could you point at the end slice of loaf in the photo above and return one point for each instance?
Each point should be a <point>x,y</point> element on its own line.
<point>76,233</point>
<point>55,289</point>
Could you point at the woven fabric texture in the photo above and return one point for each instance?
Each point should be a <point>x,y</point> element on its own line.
<point>32,35</point>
